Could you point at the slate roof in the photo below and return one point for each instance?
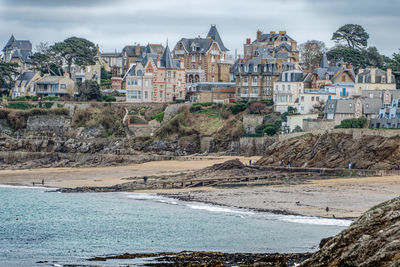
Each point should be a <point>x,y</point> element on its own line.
<point>50,80</point>
<point>154,49</point>
<point>18,44</point>
<point>213,34</point>
<point>131,50</point>
<point>268,37</point>
<point>378,76</point>
<point>23,55</point>
<point>295,76</point>
<point>25,77</point>
<point>324,61</point>
<point>347,106</point>
<point>167,62</point>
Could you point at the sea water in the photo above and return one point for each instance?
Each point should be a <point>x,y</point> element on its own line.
<point>37,225</point>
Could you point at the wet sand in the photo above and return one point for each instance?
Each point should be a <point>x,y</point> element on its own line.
<point>345,197</point>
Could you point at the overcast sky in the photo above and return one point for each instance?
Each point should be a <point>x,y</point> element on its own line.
<point>116,23</point>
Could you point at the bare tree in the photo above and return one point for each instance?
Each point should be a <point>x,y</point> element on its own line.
<point>311,53</point>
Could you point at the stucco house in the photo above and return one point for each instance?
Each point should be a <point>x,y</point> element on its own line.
<point>54,86</point>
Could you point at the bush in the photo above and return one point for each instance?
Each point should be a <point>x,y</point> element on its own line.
<point>20,98</point>
<point>352,123</point>
<point>50,98</point>
<point>45,104</point>
<point>257,108</point>
<point>159,117</point>
<point>297,129</point>
<point>205,104</point>
<point>20,105</point>
<point>237,108</point>
<point>268,102</point>
<point>270,129</point>
<point>17,118</point>
<point>107,98</point>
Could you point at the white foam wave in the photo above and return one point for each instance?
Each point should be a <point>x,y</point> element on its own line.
<point>240,212</point>
<point>24,187</point>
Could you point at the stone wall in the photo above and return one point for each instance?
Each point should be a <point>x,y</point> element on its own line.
<point>57,124</point>
<point>254,146</point>
<point>251,121</point>
<point>316,124</point>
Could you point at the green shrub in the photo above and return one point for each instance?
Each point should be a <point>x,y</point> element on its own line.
<point>50,98</point>
<point>159,117</point>
<point>268,102</point>
<point>352,123</point>
<point>107,98</point>
<point>270,129</point>
<point>205,104</point>
<point>237,108</point>
<point>20,105</point>
<point>20,98</point>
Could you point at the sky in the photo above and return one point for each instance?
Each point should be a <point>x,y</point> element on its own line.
<point>115,23</point>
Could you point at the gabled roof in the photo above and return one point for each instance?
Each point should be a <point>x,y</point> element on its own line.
<point>196,45</point>
<point>167,62</point>
<point>131,50</point>
<point>23,55</point>
<point>18,44</point>
<point>25,77</point>
<point>268,37</point>
<point>213,34</point>
<point>154,49</point>
<point>324,62</point>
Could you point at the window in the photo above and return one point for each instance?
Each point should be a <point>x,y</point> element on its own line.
<point>317,98</point>
<point>302,99</point>
<point>290,98</point>
<point>212,68</point>
<point>246,91</point>
<point>174,88</point>
<point>212,79</point>
<point>255,80</point>
<point>212,59</point>
<point>174,75</point>
<point>169,74</point>
<point>350,105</point>
<point>277,87</point>
<point>63,86</point>
<point>193,59</point>
<point>255,91</point>
<point>283,87</point>
<point>54,87</point>
<point>246,80</point>
<point>288,87</point>
<point>146,83</point>
<point>146,94</point>
<point>180,94</point>
<point>255,68</point>
<point>161,95</point>
<point>312,98</point>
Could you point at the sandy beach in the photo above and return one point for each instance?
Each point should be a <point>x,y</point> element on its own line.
<point>345,197</point>
<point>108,176</point>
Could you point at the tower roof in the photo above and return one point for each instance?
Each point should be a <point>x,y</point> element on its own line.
<point>10,41</point>
<point>213,34</point>
<point>166,59</point>
<point>324,62</point>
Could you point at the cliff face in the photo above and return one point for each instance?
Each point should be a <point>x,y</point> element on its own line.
<point>335,150</point>
<point>372,240</point>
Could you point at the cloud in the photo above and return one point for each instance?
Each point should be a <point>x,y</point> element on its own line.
<point>114,24</point>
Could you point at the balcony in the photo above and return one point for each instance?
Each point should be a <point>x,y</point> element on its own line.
<point>214,52</point>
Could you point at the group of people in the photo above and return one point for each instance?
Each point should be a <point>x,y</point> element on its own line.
<point>33,183</point>
<point>282,164</point>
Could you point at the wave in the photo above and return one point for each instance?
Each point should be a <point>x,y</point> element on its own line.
<point>24,187</point>
<point>240,211</point>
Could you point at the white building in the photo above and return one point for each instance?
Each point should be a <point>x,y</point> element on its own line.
<point>287,90</point>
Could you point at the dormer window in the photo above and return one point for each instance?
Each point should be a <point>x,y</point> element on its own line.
<point>383,79</point>
<point>255,68</point>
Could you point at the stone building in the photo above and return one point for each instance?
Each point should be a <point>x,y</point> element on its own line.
<point>254,77</point>
<point>112,62</point>
<point>212,92</point>
<point>18,51</point>
<point>156,78</point>
<point>375,79</point>
<point>278,45</point>
<point>54,86</point>
<point>25,84</point>
<point>205,59</point>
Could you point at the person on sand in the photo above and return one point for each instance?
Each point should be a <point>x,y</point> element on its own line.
<point>288,164</point>
<point>327,209</point>
<point>33,183</point>
<point>42,181</point>
<point>145,179</point>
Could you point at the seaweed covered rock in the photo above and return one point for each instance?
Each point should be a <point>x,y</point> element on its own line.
<point>372,240</point>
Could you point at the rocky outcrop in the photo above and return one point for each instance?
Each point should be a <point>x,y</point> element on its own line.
<point>335,150</point>
<point>372,240</point>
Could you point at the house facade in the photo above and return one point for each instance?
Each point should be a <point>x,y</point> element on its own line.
<point>54,86</point>
<point>130,53</point>
<point>375,79</point>
<point>156,79</point>
<point>278,45</point>
<point>112,62</point>
<point>255,77</point>
<point>205,59</point>
<point>25,84</point>
<point>212,92</point>
<point>287,90</point>
<point>18,51</point>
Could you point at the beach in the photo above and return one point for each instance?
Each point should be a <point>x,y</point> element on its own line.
<point>344,197</point>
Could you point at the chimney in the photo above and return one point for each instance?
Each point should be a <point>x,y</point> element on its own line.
<point>373,74</point>
<point>158,61</point>
<point>259,35</point>
<point>389,75</point>
<point>271,32</point>
<point>344,65</point>
<point>282,32</point>
<point>248,41</point>
<point>294,45</point>
<point>181,63</point>
<point>137,49</point>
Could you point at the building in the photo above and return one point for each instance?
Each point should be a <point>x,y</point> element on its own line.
<point>389,117</point>
<point>212,92</point>
<point>113,63</point>
<point>18,51</point>
<point>24,85</point>
<point>255,77</point>
<point>287,90</point>
<point>90,72</point>
<point>54,86</point>
<point>278,45</point>
<point>375,79</point>
<point>340,109</point>
<point>156,79</point>
<point>205,59</point>
<point>130,54</point>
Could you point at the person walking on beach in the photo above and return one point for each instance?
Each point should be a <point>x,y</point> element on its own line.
<point>42,181</point>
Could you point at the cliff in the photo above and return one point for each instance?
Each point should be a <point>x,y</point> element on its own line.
<point>335,150</point>
<point>372,240</point>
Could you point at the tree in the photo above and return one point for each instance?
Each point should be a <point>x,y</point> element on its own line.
<point>348,55</point>
<point>311,53</point>
<point>74,50</point>
<point>373,58</point>
<point>8,74</point>
<point>46,61</point>
<point>395,64</point>
<point>257,107</point>
<point>89,90</point>
<point>353,35</point>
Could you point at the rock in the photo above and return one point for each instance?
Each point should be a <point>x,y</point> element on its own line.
<point>227,165</point>
<point>372,240</point>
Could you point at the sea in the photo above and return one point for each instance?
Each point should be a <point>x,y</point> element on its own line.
<point>41,227</point>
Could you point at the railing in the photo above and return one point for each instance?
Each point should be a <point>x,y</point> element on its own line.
<point>179,52</point>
